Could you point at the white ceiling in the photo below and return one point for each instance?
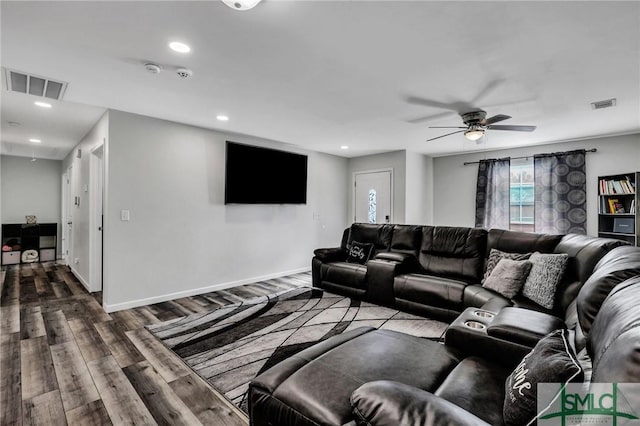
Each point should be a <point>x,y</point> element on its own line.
<point>321,74</point>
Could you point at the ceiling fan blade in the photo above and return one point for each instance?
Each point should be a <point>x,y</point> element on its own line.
<point>495,119</point>
<point>487,90</point>
<point>430,103</point>
<point>430,117</point>
<point>448,127</point>
<point>448,134</point>
<point>514,128</point>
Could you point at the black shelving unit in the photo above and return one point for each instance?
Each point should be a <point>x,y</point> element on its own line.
<point>617,207</point>
<point>19,237</point>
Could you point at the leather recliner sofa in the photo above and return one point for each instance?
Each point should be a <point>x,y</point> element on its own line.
<point>436,271</point>
<point>381,377</point>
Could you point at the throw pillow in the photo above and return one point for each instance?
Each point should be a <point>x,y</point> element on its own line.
<point>508,277</point>
<point>359,252</point>
<point>496,255</point>
<point>552,360</point>
<point>545,275</point>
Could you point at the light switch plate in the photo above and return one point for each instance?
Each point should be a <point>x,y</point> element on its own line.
<point>124,215</point>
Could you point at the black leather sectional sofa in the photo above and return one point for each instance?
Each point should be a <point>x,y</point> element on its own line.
<point>436,271</point>
<point>381,377</point>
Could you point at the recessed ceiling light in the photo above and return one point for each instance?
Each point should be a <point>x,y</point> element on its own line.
<point>42,104</point>
<point>35,140</point>
<point>241,4</point>
<point>179,47</point>
<point>222,117</point>
<point>344,147</point>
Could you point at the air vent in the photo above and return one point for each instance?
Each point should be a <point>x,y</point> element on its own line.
<point>184,72</point>
<point>608,103</point>
<point>18,81</point>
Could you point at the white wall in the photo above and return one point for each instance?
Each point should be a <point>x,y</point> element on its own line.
<point>390,160</point>
<point>455,184</point>
<point>419,189</point>
<point>181,238</point>
<point>79,260</point>
<point>30,187</point>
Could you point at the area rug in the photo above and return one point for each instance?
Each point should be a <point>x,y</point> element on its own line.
<point>231,345</point>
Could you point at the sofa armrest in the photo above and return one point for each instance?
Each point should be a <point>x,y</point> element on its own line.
<point>468,334</point>
<point>380,276</point>
<point>388,403</point>
<point>332,254</point>
<point>523,326</point>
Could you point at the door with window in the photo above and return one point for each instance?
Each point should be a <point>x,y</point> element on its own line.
<point>373,196</point>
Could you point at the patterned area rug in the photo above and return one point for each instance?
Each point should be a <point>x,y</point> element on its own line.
<point>231,345</point>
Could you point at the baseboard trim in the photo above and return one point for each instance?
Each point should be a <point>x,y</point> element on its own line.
<point>80,278</point>
<point>193,292</point>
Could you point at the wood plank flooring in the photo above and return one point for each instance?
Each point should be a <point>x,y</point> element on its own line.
<point>64,361</point>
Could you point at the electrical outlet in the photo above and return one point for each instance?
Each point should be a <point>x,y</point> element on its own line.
<point>76,260</point>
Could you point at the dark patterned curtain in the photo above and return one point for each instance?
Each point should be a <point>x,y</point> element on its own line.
<point>492,194</point>
<point>560,193</point>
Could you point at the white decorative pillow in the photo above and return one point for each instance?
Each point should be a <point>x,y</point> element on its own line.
<point>543,280</point>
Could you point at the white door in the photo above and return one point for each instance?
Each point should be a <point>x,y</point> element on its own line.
<point>96,197</point>
<point>373,197</point>
<point>67,216</point>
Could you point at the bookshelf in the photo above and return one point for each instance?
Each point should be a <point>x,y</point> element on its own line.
<point>617,207</point>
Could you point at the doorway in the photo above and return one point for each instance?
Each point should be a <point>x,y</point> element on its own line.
<point>67,217</point>
<point>96,217</point>
<point>373,197</point>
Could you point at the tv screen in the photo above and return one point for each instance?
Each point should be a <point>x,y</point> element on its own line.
<point>256,175</point>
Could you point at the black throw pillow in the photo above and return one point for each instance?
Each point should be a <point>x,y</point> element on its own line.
<point>552,360</point>
<point>359,252</point>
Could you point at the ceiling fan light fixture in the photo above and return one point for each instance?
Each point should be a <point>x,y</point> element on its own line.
<point>241,4</point>
<point>473,134</point>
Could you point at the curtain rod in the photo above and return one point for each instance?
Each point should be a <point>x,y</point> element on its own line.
<point>466,163</point>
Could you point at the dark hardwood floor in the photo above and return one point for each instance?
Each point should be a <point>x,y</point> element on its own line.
<point>64,360</point>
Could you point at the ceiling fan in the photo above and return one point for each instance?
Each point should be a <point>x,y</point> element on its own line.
<point>476,124</point>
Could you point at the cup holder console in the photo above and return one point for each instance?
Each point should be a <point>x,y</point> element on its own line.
<point>483,314</point>
<point>475,325</point>
<point>473,322</point>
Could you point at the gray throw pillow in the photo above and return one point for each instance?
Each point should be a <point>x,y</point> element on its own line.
<point>508,277</point>
<point>496,255</point>
<point>545,275</point>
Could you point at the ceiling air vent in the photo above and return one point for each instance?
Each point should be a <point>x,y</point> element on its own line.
<point>18,81</point>
<point>608,103</point>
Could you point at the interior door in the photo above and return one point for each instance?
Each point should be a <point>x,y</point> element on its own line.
<point>67,219</point>
<point>372,197</point>
<point>96,220</point>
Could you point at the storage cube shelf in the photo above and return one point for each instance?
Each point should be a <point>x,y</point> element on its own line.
<point>43,238</point>
<point>617,204</point>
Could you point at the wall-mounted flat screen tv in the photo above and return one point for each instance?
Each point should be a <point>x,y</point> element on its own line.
<point>257,175</point>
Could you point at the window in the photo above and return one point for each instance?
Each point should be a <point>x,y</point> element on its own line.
<point>372,206</point>
<point>522,195</point>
